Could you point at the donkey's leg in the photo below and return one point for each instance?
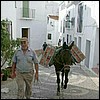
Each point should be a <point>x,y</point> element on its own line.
<point>66,78</point>
<point>58,82</point>
<point>62,78</point>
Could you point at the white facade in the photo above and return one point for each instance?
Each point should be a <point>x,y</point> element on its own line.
<point>52,30</point>
<point>88,38</point>
<point>52,23</point>
<point>62,15</point>
<point>34,27</point>
<point>8,11</point>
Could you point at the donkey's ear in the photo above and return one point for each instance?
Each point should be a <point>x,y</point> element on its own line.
<point>72,44</point>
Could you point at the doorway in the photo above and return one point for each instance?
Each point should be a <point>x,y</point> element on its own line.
<point>87,53</point>
<point>25,32</point>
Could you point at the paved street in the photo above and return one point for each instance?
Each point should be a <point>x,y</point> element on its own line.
<point>83,84</point>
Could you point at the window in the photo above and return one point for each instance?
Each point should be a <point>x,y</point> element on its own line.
<point>49,36</point>
<point>26,9</point>
<point>73,21</point>
<point>80,18</point>
<point>25,32</point>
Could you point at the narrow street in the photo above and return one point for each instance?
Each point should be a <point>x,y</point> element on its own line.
<point>83,84</point>
<point>60,33</point>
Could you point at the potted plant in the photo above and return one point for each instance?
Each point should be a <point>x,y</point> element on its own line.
<point>8,46</point>
<point>5,73</point>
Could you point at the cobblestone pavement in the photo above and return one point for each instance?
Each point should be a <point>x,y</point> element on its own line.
<point>83,84</point>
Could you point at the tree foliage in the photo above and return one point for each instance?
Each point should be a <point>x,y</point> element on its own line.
<point>8,46</point>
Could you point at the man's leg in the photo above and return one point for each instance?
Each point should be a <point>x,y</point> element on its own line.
<point>28,81</point>
<point>20,83</point>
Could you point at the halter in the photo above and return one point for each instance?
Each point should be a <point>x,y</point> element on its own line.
<point>66,66</point>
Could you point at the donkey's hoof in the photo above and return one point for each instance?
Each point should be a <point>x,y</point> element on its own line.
<point>58,93</point>
<point>65,86</point>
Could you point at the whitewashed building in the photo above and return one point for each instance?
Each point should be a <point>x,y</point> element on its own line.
<point>52,30</point>
<point>52,35</point>
<point>79,21</point>
<point>28,18</point>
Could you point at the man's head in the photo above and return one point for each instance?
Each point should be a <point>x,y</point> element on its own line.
<point>24,43</point>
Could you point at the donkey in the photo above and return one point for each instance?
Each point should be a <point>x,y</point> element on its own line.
<point>62,61</point>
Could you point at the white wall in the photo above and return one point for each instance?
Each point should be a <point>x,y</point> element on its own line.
<point>96,50</point>
<point>52,8</point>
<point>56,34</point>
<point>8,11</point>
<point>90,25</point>
<point>62,14</point>
<point>37,25</point>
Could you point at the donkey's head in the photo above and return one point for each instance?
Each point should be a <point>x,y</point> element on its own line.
<point>65,54</point>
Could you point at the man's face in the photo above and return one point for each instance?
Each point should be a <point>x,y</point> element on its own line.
<point>24,45</point>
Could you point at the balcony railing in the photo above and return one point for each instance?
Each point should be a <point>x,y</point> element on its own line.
<point>27,13</point>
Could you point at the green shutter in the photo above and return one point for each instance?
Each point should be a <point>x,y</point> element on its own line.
<point>26,9</point>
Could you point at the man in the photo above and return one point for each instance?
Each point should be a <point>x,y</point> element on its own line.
<point>44,46</point>
<point>59,42</point>
<point>23,60</point>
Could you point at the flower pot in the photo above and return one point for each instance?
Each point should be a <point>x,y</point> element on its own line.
<point>4,77</point>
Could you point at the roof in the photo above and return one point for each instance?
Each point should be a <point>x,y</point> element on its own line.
<point>54,17</point>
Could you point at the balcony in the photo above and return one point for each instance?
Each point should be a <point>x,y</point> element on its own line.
<point>27,13</point>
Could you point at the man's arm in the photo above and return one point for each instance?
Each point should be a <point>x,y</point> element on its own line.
<point>13,67</point>
<point>13,75</point>
<point>35,60</point>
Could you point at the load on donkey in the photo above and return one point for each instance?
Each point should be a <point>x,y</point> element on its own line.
<point>62,58</point>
